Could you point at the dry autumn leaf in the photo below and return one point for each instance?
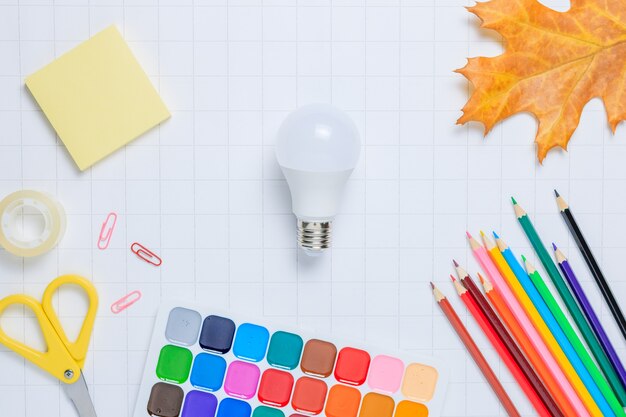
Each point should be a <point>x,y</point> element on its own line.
<point>553,64</point>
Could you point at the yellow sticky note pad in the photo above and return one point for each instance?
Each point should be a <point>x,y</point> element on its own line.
<point>97,97</point>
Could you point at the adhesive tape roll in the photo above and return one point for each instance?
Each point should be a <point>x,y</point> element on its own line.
<point>12,208</point>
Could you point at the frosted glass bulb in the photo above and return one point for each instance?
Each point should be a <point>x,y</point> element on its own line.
<point>317,148</point>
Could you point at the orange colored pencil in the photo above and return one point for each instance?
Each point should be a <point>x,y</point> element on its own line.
<point>475,352</point>
<point>502,349</point>
<point>524,343</point>
<point>516,352</point>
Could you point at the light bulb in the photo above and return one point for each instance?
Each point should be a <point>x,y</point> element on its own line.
<point>317,148</point>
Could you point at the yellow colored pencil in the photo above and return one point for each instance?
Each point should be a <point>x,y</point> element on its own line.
<point>540,325</point>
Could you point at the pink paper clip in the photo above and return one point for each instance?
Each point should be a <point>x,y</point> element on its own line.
<point>146,254</point>
<point>125,302</point>
<point>106,231</point>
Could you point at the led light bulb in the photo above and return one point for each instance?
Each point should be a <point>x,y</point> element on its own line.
<point>317,148</point>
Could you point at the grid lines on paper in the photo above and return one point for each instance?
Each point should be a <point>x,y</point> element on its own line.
<point>204,190</point>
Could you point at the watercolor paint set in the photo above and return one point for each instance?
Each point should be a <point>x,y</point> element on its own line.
<point>204,363</point>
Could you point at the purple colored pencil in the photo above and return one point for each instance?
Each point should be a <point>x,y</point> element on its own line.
<point>589,312</point>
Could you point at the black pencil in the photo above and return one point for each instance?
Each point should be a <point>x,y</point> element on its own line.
<point>591,263</point>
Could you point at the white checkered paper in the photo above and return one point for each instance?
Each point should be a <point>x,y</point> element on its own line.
<point>204,191</point>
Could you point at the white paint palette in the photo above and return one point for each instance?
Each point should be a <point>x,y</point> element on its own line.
<point>204,363</point>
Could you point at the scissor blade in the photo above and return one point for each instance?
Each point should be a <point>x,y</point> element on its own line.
<point>79,394</point>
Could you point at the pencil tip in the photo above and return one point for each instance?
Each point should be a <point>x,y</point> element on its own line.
<point>432,285</point>
<point>482,233</point>
<point>556,193</point>
<point>453,278</point>
<point>480,277</point>
<point>468,234</point>
<point>456,264</point>
<point>524,258</point>
<point>513,200</point>
<point>495,235</point>
<point>554,246</point>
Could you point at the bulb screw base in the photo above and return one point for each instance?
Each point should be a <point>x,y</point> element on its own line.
<point>314,236</point>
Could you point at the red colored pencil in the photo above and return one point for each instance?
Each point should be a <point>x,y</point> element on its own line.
<point>502,350</point>
<point>524,343</point>
<point>475,352</point>
<point>504,335</point>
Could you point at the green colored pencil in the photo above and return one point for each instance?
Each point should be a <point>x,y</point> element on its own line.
<point>570,303</point>
<point>573,338</point>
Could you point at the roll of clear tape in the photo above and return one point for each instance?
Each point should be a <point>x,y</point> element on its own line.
<point>12,208</point>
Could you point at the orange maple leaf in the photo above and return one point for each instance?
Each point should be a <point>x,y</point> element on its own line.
<point>553,64</point>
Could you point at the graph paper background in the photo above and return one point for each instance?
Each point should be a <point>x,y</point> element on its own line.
<point>204,191</point>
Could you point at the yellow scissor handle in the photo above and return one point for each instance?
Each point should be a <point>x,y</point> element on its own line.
<point>57,359</point>
<point>77,348</point>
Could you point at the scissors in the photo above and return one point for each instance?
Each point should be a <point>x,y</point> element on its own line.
<point>63,359</point>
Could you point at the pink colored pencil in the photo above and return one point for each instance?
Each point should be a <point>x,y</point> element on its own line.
<point>506,293</point>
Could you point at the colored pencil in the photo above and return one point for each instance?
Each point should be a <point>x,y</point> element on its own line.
<point>570,303</point>
<point>502,350</point>
<point>532,355</point>
<point>504,335</point>
<point>548,327</point>
<point>572,225</point>
<point>590,313</point>
<point>513,304</point>
<point>573,338</point>
<point>475,352</point>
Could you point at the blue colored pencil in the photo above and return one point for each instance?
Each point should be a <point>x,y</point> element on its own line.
<point>557,332</point>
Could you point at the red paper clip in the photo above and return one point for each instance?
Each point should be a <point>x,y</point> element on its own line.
<point>146,254</point>
<point>106,231</point>
<point>125,302</point>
